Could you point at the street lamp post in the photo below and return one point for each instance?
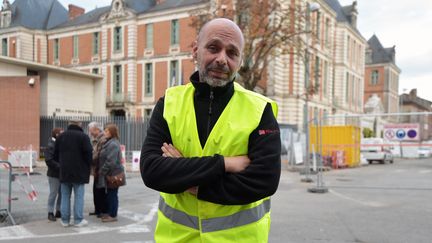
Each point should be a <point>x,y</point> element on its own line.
<point>310,7</point>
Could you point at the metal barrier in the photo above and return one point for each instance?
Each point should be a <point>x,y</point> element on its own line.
<point>5,213</point>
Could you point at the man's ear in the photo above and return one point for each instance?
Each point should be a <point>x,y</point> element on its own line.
<point>194,50</point>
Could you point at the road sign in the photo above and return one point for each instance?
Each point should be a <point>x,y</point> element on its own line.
<point>402,132</point>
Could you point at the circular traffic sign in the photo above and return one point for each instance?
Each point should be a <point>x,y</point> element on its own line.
<point>400,133</point>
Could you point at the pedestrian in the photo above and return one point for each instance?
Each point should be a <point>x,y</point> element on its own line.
<point>74,152</point>
<point>213,149</point>
<point>53,176</point>
<point>97,140</point>
<point>110,164</point>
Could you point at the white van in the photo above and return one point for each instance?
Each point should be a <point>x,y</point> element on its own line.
<point>376,149</point>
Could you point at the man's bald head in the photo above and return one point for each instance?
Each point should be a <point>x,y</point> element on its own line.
<point>222,22</point>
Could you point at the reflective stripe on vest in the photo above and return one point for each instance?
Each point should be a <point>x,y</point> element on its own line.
<point>215,224</point>
<point>178,216</point>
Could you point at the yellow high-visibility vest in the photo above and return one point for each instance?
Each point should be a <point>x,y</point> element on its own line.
<point>184,218</point>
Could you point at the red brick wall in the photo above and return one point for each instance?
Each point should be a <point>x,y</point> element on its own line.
<point>374,89</point>
<point>141,40</point>
<point>50,52</point>
<point>160,79</point>
<point>39,51</point>
<point>187,35</point>
<point>188,68</point>
<point>19,125</point>
<point>162,38</point>
<point>85,45</point>
<point>139,83</point>
<point>109,48</point>
<point>125,43</point>
<point>65,50</point>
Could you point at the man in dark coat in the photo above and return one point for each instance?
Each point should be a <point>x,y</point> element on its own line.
<point>74,152</point>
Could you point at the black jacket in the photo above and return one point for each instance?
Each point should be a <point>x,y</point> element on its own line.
<point>174,175</point>
<point>53,165</point>
<point>74,152</point>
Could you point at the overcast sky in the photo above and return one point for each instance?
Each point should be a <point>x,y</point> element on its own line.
<point>405,24</point>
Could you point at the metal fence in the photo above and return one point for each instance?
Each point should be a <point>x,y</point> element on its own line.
<point>132,131</point>
<point>6,192</point>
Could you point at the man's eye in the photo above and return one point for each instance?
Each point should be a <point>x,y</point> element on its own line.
<point>233,53</point>
<point>212,48</point>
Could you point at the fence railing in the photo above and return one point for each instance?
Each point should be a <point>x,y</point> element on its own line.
<point>5,212</point>
<point>132,131</point>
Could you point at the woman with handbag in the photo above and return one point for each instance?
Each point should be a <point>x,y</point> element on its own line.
<point>111,172</point>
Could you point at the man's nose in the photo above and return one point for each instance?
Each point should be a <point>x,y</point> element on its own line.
<point>221,59</point>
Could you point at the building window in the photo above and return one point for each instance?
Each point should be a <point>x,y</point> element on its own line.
<point>75,46</point>
<point>148,79</point>
<point>325,78</point>
<point>348,51</point>
<point>174,73</point>
<point>56,49</point>
<point>147,113</point>
<point>117,39</point>
<point>318,23</point>
<point>347,88</point>
<point>174,32</point>
<point>317,71</point>
<point>353,88</point>
<point>374,77</point>
<point>117,79</point>
<point>327,32</point>
<point>368,56</point>
<point>4,46</point>
<point>149,36</point>
<point>95,70</point>
<point>95,43</point>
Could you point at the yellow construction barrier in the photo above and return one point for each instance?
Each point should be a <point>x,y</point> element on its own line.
<point>337,138</point>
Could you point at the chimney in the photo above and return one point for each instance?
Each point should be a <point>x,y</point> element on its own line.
<point>413,93</point>
<point>75,11</point>
<point>353,14</point>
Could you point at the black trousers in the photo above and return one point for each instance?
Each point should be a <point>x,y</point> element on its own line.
<point>99,199</point>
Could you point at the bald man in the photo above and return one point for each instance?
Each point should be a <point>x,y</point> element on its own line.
<point>213,149</point>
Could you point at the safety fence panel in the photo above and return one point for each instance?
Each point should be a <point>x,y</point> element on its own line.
<point>6,179</point>
<point>132,130</point>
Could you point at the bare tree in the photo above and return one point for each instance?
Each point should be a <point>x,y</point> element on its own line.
<point>270,27</point>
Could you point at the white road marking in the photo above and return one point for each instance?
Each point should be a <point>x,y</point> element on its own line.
<point>425,171</point>
<point>135,228</point>
<point>364,203</point>
<point>20,232</point>
<point>14,231</point>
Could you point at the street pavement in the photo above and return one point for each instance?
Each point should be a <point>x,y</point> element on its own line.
<point>375,203</point>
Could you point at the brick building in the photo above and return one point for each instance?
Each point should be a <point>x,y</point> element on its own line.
<point>382,76</point>
<point>29,90</point>
<point>143,47</point>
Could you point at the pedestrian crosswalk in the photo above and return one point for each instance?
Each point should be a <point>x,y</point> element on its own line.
<point>40,230</point>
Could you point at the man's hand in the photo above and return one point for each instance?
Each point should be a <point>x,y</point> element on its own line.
<point>170,151</point>
<point>236,164</point>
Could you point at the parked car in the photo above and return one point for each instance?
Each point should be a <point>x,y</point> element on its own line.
<point>424,152</point>
<point>376,149</point>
